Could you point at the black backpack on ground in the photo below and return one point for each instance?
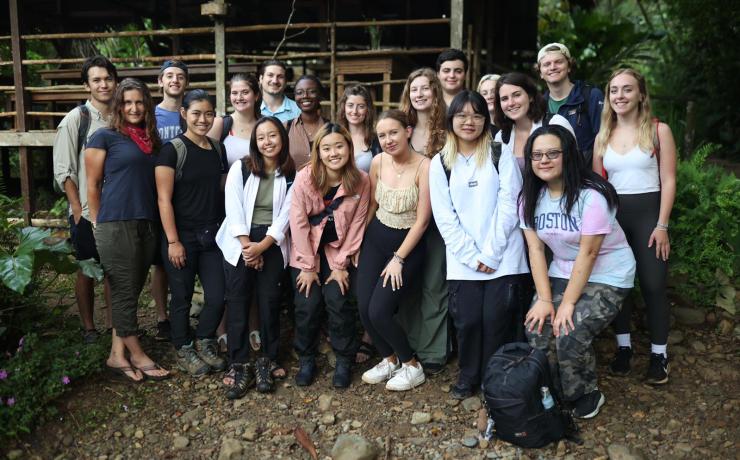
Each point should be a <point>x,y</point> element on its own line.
<point>511,386</point>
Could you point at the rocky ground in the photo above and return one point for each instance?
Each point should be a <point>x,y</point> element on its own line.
<point>694,416</point>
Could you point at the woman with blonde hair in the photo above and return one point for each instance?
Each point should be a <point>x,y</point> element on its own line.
<point>356,114</point>
<point>487,89</point>
<point>329,205</point>
<point>424,313</point>
<point>637,154</point>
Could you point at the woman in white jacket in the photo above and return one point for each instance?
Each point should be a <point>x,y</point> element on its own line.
<point>254,241</point>
<point>474,195</point>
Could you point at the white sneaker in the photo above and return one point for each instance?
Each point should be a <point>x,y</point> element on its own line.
<point>381,372</point>
<point>406,378</point>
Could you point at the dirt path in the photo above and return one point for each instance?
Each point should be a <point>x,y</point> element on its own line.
<point>695,416</point>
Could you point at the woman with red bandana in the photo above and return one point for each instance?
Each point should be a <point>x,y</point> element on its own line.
<point>122,200</point>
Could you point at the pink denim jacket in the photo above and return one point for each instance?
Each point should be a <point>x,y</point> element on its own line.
<point>349,219</point>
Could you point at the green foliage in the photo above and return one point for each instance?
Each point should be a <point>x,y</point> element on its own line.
<point>705,231</point>
<point>135,47</point>
<point>43,367</point>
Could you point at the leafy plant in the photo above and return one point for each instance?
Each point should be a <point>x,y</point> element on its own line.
<point>706,232</point>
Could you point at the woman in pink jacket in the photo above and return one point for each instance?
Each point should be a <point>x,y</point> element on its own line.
<point>327,221</point>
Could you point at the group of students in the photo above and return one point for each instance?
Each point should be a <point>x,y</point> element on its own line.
<point>451,207</point>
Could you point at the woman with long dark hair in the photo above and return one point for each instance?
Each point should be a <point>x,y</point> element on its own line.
<point>393,252</point>
<point>327,222</point>
<point>356,114</point>
<point>572,210</point>
<point>474,202</point>
<point>191,206</point>
<point>638,154</point>
<point>122,200</point>
<point>254,240</point>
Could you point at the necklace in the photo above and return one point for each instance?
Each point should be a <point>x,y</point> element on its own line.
<point>399,173</point>
<point>309,134</point>
<point>467,158</point>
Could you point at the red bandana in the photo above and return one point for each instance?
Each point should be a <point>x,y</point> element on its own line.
<point>140,137</point>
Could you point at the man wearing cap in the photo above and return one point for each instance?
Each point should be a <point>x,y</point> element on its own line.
<point>273,83</point>
<point>579,102</point>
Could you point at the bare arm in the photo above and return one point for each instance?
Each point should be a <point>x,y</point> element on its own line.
<point>543,308</point>
<point>667,164</point>
<point>73,196</point>
<point>216,130</point>
<point>94,162</point>
<point>373,206</point>
<point>165,177</point>
<point>423,213</point>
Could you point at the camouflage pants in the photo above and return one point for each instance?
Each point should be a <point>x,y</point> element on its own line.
<point>572,357</point>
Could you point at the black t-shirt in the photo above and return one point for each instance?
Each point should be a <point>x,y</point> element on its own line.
<point>330,229</point>
<point>197,197</point>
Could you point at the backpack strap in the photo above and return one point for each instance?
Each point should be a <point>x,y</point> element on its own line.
<point>226,128</point>
<point>246,172</point>
<point>546,119</point>
<point>182,155</point>
<point>495,157</point>
<point>505,135</point>
<point>84,127</point>
<point>328,211</point>
<point>583,108</point>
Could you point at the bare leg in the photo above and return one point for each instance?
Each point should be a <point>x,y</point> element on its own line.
<point>117,357</point>
<point>159,291</point>
<point>85,293</point>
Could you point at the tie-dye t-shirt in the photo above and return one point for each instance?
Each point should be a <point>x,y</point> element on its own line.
<point>615,264</point>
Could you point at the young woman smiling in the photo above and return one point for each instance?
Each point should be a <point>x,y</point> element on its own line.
<point>327,221</point>
<point>424,311</point>
<point>357,115</point>
<point>254,240</point>
<point>639,155</point>
<point>191,206</point>
<point>302,130</point>
<point>393,252</point>
<point>122,200</point>
<point>474,202</point>
<point>519,110</point>
<point>235,130</point>
<point>572,210</point>
<point>487,89</point>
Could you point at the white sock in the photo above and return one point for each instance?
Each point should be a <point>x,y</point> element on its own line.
<point>659,349</point>
<point>623,340</point>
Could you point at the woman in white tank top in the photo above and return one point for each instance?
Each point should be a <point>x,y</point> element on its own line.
<point>356,114</point>
<point>235,129</point>
<point>638,156</point>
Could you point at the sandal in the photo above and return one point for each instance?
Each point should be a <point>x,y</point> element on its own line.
<point>277,371</point>
<point>243,380</point>
<point>230,375</point>
<point>154,367</point>
<point>366,349</point>
<point>263,376</point>
<point>123,372</point>
<point>255,341</point>
<point>223,343</point>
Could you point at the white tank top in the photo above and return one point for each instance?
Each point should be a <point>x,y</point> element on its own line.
<point>363,158</point>
<point>236,148</point>
<point>633,172</point>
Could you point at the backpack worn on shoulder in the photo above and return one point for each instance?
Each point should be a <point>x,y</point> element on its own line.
<point>182,154</point>
<point>246,173</point>
<point>512,385</point>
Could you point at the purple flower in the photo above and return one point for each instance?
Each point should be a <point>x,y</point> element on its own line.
<point>10,402</point>
<point>65,380</point>
<point>3,374</point>
<point>20,342</point>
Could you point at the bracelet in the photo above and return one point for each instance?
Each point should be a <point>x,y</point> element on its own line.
<point>661,226</point>
<point>398,258</point>
<point>172,242</point>
<point>661,229</point>
<point>545,300</point>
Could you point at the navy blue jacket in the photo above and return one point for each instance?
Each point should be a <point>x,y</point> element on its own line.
<point>585,125</point>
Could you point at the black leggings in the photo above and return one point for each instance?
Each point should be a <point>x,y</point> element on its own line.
<point>378,305</point>
<point>637,215</point>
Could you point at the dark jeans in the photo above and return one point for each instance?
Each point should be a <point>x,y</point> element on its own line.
<point>486,315</point>
<point>126,249</point>
<point>241,282</point>
<point>202,258</point>
<point>378,305</point>
<point>341,316</point>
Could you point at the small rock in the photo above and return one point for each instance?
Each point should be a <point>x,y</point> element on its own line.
<point>724,327</point>
<point>14,454</point>
<point>471,404</point>
<point>675,337</point>
<point>325,402</point>
<point>620,452</point>
<point>250,433</point>
<point>192,415</point>
<point>698,346</point>
<point>356,424</point>
<point>470,441</point>
<point>560,451</point>
<point>483,443</point>
<point>230,449</point>
<point>453,402</point>
<point>438,416</point>
<point>67,440</point>
<point>420,418</point>
<point>673,425</point>
<point>445,388</point>
<point>180,442</point>
<point>353,447</point>
<point>328,419</point>
<point>689,316</point>
<point>139,434</point>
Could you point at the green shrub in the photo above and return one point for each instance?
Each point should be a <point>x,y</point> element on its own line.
<point>43,367</point>
<point>705,229</point>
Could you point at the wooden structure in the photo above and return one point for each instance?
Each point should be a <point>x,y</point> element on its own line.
<point>342,64</point>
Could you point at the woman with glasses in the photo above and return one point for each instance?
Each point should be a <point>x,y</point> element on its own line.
<point>519,110</point>
<point>474,204</point>
<point>302,130</point>
<point>572,210</point>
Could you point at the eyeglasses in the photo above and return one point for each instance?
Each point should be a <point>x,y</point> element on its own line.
<point>465,117</point>
<point>550,154</point>
<point>304,92</point>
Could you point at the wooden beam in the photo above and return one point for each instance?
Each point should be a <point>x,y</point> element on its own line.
<point>28,139</point>
<point>457,8</point>
<point>19,79</point>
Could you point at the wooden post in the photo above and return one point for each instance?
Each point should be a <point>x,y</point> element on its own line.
<point>457,8</point>
<point>332,70</point>
<point>174,22</point>
<point>217,9</point>
<point>19,78</point>
<point>469,53</point>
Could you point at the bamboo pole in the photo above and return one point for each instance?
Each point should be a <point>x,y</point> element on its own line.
<point>34,114</point>
<point>183,57</point>
<point>332,71</point>
<point>220,60</point>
